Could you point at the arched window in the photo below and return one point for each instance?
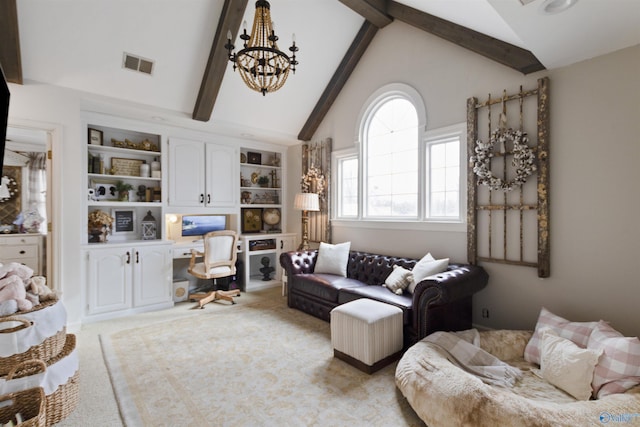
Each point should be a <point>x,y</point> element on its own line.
<point>390,133</point>
<point>404,173</point>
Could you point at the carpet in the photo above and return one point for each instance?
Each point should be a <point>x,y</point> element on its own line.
<point>257,364</point>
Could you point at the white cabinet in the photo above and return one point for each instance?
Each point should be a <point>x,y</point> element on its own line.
<point>201,174</point>
<point>128,279</point>
<point>25,249</point>
<point>260,253</point>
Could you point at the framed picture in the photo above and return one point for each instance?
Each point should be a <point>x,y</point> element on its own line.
<point>105,191</point>
<point>124,221</point>
<point>254,158</point>
<point>251,220</point>
<point>128,167</point>
<point>95,137</point>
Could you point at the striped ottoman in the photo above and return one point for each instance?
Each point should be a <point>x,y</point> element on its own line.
<point>366,334</point>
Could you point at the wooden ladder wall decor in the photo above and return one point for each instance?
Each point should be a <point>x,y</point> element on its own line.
<point>505,214</point>
<point>316,177</point>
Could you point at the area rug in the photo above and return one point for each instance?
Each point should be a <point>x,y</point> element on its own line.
<point>260,364</point>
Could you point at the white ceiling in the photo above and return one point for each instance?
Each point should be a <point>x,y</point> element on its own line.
<point>79,44</point>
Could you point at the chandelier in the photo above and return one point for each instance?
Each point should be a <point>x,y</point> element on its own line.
<point>262,66</point>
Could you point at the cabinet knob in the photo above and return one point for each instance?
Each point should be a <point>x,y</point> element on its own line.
<point>201,198</point>
<point>137,257</point>
<point>128,257</point>
<point>22,252</point>
<point>208,198</point>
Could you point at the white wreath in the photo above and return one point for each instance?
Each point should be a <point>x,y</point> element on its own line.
<point>523,159</point>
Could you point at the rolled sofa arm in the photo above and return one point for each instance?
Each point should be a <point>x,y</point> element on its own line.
<point>298,262</point>
<point>443,301</point>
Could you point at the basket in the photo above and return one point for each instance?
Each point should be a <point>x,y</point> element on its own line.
<point>38,326</point>
<point>64,399</point>
<point>29,403</point>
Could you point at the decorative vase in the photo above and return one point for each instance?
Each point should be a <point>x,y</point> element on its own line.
<point>98,235</point>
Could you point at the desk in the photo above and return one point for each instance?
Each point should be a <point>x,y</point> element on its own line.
<point>182,255</point>
<point>183,249</point>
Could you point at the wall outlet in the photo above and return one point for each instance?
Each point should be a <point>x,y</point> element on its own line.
<point>485,313</point>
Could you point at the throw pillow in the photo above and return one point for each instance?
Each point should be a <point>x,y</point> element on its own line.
<point>398,280</point>
<point>567,366</point>
<point>427,266</point>
<point>576,332</point>
<point>333,259</point>
<point>619,366</point>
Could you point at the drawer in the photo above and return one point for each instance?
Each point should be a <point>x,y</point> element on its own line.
<point>20,239</point>
<point>18,252</point>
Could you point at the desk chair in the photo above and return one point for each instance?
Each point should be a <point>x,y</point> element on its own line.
<point>219,261</point>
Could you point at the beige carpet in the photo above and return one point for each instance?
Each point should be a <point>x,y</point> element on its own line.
<point>257,364</point>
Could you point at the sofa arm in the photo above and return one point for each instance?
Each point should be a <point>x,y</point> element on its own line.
<point>443,301</point>
<point>298,262</point>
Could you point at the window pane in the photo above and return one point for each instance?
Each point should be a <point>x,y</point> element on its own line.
<point>348,187</point>
<point>392,160</point>
<point>444,178</point>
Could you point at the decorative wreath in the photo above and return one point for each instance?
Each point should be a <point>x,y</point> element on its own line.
<point>313,181</point>
<point>523,159</point>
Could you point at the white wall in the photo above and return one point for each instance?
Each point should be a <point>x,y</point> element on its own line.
<point>594,173</point>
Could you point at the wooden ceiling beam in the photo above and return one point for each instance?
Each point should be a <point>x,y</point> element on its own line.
<point>230,20</point>
<point>10,58</point>
<point>339,79</point>
<point>489,47</point>
<point>374,11</point>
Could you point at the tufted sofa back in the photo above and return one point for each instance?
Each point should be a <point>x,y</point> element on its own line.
<point>373,269</point>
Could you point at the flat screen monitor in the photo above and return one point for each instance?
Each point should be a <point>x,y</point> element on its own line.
<point>199,225</point>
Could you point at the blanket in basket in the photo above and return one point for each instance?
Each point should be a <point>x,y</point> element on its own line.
<point>463,350</point>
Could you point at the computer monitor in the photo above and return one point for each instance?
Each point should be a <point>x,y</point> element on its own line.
<point>199,225</point>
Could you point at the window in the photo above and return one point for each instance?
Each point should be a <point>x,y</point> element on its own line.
<point>401,174</point>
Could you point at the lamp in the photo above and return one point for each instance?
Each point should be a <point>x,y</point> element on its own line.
<point>262,66</point>
<point>306,202</point>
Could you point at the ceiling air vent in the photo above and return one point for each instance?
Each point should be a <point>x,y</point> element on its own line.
<point>136,63</point>
<point>526,2</point>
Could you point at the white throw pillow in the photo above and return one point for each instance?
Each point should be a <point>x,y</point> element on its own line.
<point>333,259</point>
<point>427,266</point>
<point>566,365</point>
<point>398,280</point>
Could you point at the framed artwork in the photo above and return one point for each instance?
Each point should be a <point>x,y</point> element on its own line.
<point>95,137</point>
<point>124,221</point>
<point>251,220</point>
<point>254,158</point>
<point>105,191</point>
<point>128,167</point>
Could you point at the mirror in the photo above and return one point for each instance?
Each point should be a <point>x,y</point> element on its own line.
<point>24,205</point>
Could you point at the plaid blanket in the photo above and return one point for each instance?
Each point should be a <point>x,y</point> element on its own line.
<point>463,350</point>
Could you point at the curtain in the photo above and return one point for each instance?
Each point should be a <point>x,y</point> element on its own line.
<point>37,191</point>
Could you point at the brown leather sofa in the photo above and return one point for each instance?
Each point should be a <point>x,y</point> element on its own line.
<point>441,302</point>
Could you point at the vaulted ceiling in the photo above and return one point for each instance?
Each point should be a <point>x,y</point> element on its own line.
<point>79,44</point>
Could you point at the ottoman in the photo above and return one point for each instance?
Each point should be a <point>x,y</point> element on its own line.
<point>366,334</point>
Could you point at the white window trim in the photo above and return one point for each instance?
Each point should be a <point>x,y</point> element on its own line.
<point>458,131</point>
<point>337,156</point>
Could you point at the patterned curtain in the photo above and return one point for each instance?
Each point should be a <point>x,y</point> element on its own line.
<point>37,191</point>
<point>316,178</point>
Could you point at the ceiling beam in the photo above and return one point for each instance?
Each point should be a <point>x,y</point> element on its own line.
<point>374,11</point>
<point>10,58</point>
<point>230,20</point>
<point>489,47</point>
<point>339,79</point>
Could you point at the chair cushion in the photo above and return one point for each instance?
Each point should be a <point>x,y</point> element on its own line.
<point>199,269</point>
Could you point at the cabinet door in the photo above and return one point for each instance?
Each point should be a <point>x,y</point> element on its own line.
<point>152,271</point>
<point>109,276</point>
<point>186,173</point>
<point>221,189</point>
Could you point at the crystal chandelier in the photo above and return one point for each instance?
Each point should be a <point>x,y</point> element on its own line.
<point>263,67</point>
